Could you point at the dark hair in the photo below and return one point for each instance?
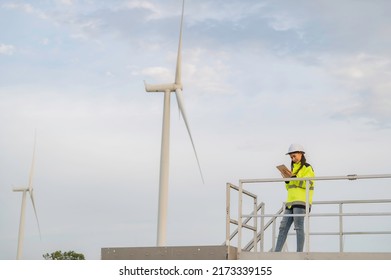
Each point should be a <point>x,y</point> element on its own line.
<point>303,162</point>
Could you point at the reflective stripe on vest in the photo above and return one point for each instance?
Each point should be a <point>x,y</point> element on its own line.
<point>301,183</point>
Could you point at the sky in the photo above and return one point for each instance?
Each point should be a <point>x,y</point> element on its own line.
<point>257,76</point>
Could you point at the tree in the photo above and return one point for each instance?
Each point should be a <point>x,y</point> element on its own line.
<point>58,255</point>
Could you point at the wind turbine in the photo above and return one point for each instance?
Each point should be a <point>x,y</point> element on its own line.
<point>24,190</point>
<point>165,145</point>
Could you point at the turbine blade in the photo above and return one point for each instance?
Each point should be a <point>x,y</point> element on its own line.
<point>30,185</point>
<point>179,99</point>
<point>178,74</point>
<point>31,176</point>
<point>35,210</point>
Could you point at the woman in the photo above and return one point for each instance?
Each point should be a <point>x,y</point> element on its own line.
<point>296,200</point>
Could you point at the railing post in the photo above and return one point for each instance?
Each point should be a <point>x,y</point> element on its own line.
<point>340,228</point>
<point>240,214</point>
<point>255,224</point>
<point>274,233</point>
<point>307,218</point>
<point>228,215</point>
<point>262,243</point>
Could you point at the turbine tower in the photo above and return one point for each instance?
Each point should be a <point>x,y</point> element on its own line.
<point>165,145</point>
<point>24,190</point>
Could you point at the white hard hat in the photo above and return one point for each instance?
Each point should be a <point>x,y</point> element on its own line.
<point>295,148</point>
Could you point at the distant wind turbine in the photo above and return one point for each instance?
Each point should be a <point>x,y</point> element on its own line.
<point>165,146</point>
<point>30,190</point>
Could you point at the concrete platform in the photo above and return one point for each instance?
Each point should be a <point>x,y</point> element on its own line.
<point>314,256</point>
<point>170,253</point>
<point>221,252</point>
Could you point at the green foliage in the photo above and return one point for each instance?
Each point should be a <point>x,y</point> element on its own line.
<point>58,255</point>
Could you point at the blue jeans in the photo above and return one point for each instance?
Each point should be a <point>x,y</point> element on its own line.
<point>285,225</point>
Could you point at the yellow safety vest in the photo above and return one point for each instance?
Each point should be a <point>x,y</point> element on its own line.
<point>297,189</point>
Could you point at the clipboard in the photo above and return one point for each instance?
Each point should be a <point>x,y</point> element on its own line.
<point>285,172</point>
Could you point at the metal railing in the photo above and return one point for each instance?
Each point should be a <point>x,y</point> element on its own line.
<point>243,222</point>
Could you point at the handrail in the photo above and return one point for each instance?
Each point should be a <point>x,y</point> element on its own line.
<point>320,178</point>
<point>251,244</point>
<point>229,220</point>
<point>254,215</point>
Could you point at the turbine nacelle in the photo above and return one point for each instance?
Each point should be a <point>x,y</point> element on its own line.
<point>20,189</point>
<point>162,87</point>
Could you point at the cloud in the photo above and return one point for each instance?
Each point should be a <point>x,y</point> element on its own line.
<point>160,74</point>
<point>215,12</point>
<point>6,49</point>
<point>207,71</point>
<point>27,8</point>
<point>135,4</point>
<point>365,80</point>
<point>284,21</point>
<point>66,2</point>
